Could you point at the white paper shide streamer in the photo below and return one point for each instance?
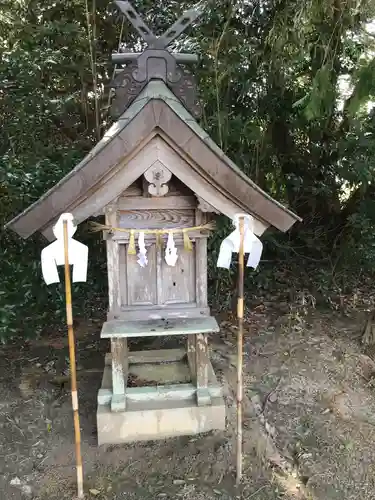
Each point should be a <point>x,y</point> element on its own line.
<point>53,255</point>
<point>142,254</point>
<point>171,251</point>
<point>252,244</point>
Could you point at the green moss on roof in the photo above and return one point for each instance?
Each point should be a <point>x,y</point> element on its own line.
<point>158,90</point>
<point>155,90</point>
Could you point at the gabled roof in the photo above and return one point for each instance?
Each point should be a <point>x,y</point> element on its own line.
<point>155,111</point>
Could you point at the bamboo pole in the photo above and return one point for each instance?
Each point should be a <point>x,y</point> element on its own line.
<point>240,313</point>
<point>72,357</point>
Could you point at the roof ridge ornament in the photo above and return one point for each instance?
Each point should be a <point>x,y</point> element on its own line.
<point>155,63</point>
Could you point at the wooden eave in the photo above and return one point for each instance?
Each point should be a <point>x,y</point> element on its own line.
<point>155,111</point>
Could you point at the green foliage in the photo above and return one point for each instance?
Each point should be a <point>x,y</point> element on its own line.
<point>270,80</point>
<point>364,79</point>
<point>48,120</point>
<point>322,94</point>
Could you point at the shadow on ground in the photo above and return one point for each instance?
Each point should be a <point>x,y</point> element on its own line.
<point>308,425</point>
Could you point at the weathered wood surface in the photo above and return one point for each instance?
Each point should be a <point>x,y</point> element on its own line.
<point>168,392</point>
<point>123,237</point>
<point>159,394</point>
<point>177,283</point>
<point>133,190</point>
<point>157,283</point>
<point>158,177</point>
<point>123,276</point>
<point>149,393</point>
<point>206,207</point>
<point>203,187</point>
<point>154,356</point>
<point>158,312</point>
<point>119,373</point>
<point>217,166</point>
<point>202,364</point>
<point>113,183</point>
<point>127,172</point>
<point>113,265</point>
<point>191,356</point>
<point>156,219</point>
<point>141,281</point>
<point>178,188</point>
<point>175,189</point>
<point>156,328</point>
<point>159,356</point>
<point>82,184</point>
<point>154,203</point>
<point>201,264</point>
<point>199,363</point>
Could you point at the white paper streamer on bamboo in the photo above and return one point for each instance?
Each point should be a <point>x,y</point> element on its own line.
<point>171,251</point>
<point>142,254</point>
<point>53,255</point>
<point>66,251</point>
<point>252,245</point>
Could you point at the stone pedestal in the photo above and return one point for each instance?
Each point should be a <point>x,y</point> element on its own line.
<point>161,393</point>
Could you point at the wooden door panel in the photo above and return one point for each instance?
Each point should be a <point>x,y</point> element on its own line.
<point>178,282</point>
<point>142,281</point>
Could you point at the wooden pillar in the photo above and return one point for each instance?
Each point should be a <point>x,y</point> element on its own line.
<point>119,373</point>
<point>197,345</point>
<point>202,361</point>
<point>191,356</point>
<point>113,266</point>
<point>201,264</point>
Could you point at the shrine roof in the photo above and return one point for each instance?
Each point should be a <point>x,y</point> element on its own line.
<point>155,110</point>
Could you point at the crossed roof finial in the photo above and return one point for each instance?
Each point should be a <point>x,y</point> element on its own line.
<point>155,62</point>
<point>163,41</point>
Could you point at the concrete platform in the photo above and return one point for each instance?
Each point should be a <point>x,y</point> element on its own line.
<point>151,421</point>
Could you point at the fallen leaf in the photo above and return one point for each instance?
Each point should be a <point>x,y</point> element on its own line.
<point>57,344</point>
<point>272,397</point>
<point>94,492</point>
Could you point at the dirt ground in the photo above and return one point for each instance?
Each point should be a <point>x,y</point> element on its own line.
<point>309,419</point>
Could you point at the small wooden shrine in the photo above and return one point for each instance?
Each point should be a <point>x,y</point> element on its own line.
<point>159,180</point>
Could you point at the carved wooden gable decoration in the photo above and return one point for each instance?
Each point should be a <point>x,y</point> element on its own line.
<point>154,151</point>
